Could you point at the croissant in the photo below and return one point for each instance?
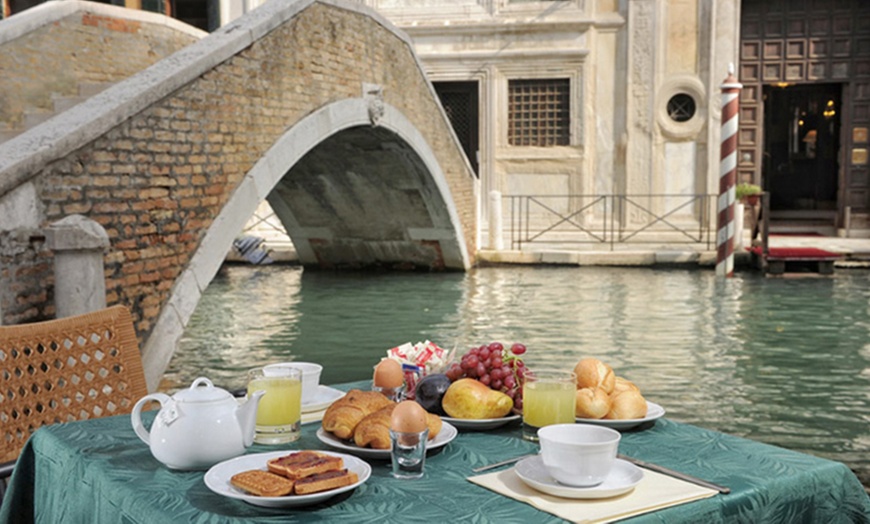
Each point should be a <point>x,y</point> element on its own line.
<point>342,417</point>
<point>374,430</point>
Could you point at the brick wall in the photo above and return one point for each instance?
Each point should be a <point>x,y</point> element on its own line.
<point>157,181</point>
<point>83,48</point>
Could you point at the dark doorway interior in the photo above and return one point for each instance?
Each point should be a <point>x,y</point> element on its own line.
<point>460,102</point>
<point>802,143</point>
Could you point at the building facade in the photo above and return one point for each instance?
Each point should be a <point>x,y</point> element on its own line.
<point>569,98</point>
<point>592,97</point>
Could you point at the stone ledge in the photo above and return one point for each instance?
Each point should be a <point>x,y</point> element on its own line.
<point>604,258</point>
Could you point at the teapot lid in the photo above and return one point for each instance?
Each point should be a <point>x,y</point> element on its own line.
<point>195,393</point>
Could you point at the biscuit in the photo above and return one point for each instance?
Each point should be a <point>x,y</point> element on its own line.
<point>325,481</point>
<point>262,483</point>
<point>303,464</point>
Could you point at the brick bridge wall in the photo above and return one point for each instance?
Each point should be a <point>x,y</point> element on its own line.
<point>83,43</point>
<point>157,180</point>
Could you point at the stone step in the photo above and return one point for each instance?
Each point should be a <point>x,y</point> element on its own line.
<point>87,89</point>
<point>34,117</point>
<point>8,135</point>
<point>62,103</point>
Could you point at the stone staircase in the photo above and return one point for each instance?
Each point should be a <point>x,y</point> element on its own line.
<point>60,103</point>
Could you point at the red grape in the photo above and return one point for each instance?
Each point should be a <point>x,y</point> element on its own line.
<point>494,366</point>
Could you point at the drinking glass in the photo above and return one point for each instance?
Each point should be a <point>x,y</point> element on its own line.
<point>279,414</point>
<point>548,398</point>
<point>408,453</point>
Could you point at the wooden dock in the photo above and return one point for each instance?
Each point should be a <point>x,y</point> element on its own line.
<point>782,260</point>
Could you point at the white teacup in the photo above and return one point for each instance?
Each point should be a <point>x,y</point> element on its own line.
<point>310,377</point>
<point>578,455</point>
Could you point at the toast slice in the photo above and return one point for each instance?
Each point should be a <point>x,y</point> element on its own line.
<point>304,464</point>
<point>325,481</point>
<point>262,483</point>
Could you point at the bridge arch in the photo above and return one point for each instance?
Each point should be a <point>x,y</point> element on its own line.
<point>296,157</point>
<point>173,160</point>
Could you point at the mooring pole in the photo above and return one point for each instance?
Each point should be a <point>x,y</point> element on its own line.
<point>727,176</point>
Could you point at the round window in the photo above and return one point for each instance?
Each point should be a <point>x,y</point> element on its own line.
<point>681,107</point>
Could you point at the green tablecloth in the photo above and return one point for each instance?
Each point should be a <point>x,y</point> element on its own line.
<point>99,471</point>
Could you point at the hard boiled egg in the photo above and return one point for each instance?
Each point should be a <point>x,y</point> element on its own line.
<point>408,417</point>
<point>388,374</point>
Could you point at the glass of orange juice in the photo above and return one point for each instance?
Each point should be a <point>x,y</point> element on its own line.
<point>548,398</point>
<point>279,413</point>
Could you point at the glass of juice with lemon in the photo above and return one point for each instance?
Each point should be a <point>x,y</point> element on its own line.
<point>279,413</point>
<point>548,398</point>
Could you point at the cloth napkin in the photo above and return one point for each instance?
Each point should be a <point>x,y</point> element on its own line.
<point>314,416</point>
<point>655,491</point>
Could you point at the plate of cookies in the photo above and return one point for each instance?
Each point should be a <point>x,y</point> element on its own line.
<point>283,479</point>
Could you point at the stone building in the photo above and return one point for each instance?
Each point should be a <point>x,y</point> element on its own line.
<point>596,97</point>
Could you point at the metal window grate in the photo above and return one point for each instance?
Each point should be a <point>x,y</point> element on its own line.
<point>538,112</point>
<point>457,107</point>
<point>681,107</point>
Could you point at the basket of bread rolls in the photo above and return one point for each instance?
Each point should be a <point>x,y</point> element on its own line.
<point>601,394</point>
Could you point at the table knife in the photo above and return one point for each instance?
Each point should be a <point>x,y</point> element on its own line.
<point>502,463</point>
<point>675,474</point>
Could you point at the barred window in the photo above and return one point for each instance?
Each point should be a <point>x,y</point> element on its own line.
<point>538,112</point>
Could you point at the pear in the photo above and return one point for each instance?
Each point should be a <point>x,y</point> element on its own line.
<point>469,399</point>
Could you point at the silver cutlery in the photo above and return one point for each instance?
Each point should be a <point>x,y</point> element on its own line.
<point>675,474</point>
<point>502,463</point>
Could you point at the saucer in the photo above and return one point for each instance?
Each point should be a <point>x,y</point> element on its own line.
<point>623,478</point>
<point>322,399</point>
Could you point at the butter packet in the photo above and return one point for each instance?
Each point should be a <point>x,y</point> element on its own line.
<point>419,360</point>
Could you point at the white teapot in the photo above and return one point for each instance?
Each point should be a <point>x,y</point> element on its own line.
<point>198,427</point>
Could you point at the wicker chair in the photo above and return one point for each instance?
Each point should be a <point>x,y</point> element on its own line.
<point>74,368</point>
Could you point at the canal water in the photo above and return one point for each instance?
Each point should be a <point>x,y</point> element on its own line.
<point>782,361</point>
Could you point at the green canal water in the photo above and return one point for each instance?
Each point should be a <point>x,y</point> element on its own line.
<point>782,361</point>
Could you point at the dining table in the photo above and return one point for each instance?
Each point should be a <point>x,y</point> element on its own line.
<point>98,470</point>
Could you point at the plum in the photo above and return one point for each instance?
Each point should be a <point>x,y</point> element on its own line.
<point>430,390</point>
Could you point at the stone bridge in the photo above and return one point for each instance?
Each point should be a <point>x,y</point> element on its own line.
<point>319,106</point>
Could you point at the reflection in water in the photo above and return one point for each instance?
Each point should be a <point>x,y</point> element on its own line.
<point>777,360</point>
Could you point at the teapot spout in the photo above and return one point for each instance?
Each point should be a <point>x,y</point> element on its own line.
<point>246,414</point>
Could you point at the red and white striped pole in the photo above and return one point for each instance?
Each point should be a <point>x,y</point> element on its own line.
<point>727,176</point>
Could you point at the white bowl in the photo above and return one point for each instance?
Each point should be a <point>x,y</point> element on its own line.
<point>310,377</point>
<point>578,455</point>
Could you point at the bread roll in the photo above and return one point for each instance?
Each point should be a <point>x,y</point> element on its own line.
<point>622,384</point>
<point>592,373</point>
<point>627,404</point>
<point>591,403</point>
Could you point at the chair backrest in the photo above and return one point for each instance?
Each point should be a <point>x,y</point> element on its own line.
<point>74,368</point>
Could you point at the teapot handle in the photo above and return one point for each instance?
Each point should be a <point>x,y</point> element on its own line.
<point>136,415</point>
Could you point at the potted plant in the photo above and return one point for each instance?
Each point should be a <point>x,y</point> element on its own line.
<point>748,193</point>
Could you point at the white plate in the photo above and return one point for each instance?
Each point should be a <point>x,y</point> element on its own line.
<point>480,424</point>
<point>448,432</point>
<point>623,478</point>
<point>218,479</point>
<point>653,412</point>
<point>324,397</point>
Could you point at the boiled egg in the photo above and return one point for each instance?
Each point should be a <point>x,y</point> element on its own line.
<point>388,374</point>
<point>408,417</point>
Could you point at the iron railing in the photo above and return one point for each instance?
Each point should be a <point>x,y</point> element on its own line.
<point>661,219</point>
